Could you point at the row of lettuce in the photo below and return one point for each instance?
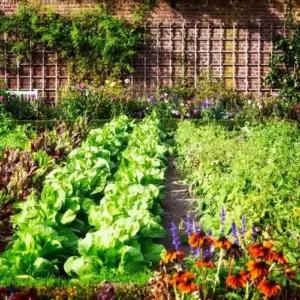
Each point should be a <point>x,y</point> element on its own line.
<point>22,169</point>
<point>101,209</point>
<point>252,171</point>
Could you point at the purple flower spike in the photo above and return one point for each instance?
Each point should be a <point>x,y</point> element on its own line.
<point>189,229</point>
<point>222,217</point>
<point>175,241</point>
<point>207,254</point>
<point>198,252</point>
<point>244,228</point>
<point>234,233</point>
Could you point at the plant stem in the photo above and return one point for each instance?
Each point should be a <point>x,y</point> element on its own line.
<point>247,291</point>
<point>218,271</point>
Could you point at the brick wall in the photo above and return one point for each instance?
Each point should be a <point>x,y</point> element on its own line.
<point>235,40</point>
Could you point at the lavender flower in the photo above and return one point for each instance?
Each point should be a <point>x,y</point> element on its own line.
<point>175,241</point>
<point>254,234</point>
<point>198,252</point>
<point>243,229</point>
<point>234,233</point>
<point>189,229</point>
<point>207,254</point>
<point>222,217</point>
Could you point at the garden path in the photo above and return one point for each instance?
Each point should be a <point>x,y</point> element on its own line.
<point>176,205</point>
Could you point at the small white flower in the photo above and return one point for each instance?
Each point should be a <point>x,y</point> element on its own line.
<point>182,104</point>
<point>165,94</point>
<point>249,102</point>
<point>113,84</point>
<point>127,81</point>
<point>188,114</point>
<point>147,108</point>
<point>166,101</point>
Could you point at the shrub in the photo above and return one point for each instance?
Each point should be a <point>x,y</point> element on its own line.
<point>252,171</point>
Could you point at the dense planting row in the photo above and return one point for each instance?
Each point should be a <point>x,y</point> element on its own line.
<point>116,233</point>
<point>252,172</point>
<point>22,171</point>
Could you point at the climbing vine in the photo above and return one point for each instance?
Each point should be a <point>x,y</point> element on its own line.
<point>285,64</point>
<point>94,44</point>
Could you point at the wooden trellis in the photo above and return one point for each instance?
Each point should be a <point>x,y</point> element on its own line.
<point>177,51</point>
<point>173,52</point>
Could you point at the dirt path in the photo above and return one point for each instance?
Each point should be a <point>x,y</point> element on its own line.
<point>176,205</point>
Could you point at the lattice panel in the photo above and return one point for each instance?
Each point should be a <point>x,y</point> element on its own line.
<point>238,54</point>
<point>173,52</point>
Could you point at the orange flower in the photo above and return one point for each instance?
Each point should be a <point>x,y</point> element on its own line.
<point>269,288</point>
<point>172,256</point>
<point>258,250</point>
<point>258,269</point>
<point>200,239</point>
<point>184,281</point>
<point>187,287</point>
<point>262,250</point>
<point>182,276</point>
<point>205,263</point>
<point>222,243</point>
<point>280,258</point>
<point>238,281</point>
<point>290,273</point>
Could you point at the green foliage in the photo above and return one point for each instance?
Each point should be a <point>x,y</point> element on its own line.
<point>285,64</point>
<point>49,229</point>
<point>94,44</point>
<point>253,172</point>
<point>111,100</point>
<point>129,215</point>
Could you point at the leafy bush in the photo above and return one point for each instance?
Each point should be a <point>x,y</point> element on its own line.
<point>285,64</point>
<point>95,44</point>
<point>112,100</point>
<point>22,108</point>
<point>251,172</point>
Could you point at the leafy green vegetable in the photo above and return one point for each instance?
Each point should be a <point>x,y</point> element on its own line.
<point>49,228</point>
<point>124,223</point>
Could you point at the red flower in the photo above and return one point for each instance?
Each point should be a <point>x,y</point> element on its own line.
<point>238,281</point>
<point>269,288</point>
<point>172,256</point>
<point>200,239</point>
<point>205,263</point>
<point>258,269</point>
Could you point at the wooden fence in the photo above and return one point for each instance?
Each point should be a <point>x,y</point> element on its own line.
<point>173,51</point>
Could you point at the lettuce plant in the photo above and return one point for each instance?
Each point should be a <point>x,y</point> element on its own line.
<point>129,215</point>
<point>50,226</point>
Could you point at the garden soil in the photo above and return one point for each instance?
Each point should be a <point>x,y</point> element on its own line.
<point>177,204</point>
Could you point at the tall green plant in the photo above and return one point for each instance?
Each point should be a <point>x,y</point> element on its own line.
<point>285,64</point>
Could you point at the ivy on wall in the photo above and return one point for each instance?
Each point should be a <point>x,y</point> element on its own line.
<point>285,64</point>
<point>94,44</point>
